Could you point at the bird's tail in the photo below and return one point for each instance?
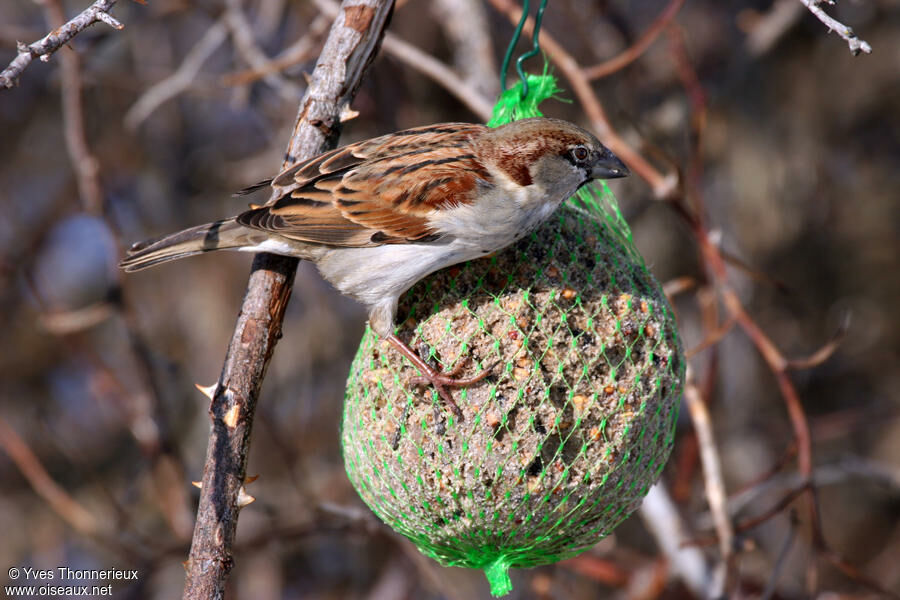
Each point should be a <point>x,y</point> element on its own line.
<point>218,235</point>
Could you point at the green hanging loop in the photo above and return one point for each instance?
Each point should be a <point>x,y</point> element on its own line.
<point>512,45</point>
<point>535,46</point>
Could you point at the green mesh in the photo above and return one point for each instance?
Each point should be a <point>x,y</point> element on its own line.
<point>575,423</point>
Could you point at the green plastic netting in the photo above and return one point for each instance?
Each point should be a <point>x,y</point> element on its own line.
<point>562,442</point>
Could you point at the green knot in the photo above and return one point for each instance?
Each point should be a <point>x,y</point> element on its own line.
<point>497,574</point>
<point>511,106</point>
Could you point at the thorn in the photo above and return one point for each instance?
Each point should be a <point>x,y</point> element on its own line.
<point>348,113</point>
<point>244,498</point>
<point>209,391</point>
<point>109,20</point>
<point>197,484</point>
<point>250,479</point>
<point>255,206</point>
<point>307,77</point>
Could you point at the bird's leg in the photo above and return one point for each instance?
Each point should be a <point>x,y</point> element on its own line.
<point>440,381</point>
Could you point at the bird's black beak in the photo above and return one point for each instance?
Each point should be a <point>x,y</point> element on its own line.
<point>608,166</point>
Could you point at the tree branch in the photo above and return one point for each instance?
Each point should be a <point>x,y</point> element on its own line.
<point>714,485</point>
<point>249,50</point>
<point>351,45</point>
<point>59,500</point>
<point>53,41</point>
<point>856,45</point>
<point>633,52</point>
<point>181,79</point>
<point>297,52</point>
<point>669,529</point>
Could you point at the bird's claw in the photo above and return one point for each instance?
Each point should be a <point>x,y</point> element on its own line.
<point>441,381</point>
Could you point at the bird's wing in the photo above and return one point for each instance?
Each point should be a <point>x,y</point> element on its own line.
<point>378,191</point>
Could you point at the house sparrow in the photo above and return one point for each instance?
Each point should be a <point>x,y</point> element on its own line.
<point>379,215</point>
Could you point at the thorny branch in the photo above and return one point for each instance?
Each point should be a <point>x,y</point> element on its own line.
<point>352,44</point>
<point>53,41</point>
<point>856,45</point>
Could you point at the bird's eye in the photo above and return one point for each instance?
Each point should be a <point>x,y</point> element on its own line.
<point>580,153</point>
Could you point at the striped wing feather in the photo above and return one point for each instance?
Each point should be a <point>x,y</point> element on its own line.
<point>375,192</point>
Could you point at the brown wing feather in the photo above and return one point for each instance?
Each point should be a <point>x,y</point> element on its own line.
<point>375,192</point>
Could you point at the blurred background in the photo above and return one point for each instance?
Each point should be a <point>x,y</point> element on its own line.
<point>102,429</point>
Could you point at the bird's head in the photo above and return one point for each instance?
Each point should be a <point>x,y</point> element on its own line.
<point>552,154</point>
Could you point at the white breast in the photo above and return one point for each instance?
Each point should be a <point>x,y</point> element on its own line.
<point>371,274</point>
<point>501,217</point>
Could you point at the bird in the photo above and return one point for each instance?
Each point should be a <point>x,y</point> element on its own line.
<point>376,216</point>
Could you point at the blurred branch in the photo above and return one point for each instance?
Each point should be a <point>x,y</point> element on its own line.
<point>824,353</point>
<point>599,569</point>
<point>466,26</point>
<point>351,45</point>
<point>679,285</point>
<point>766,29</point>
<point>141,409</point>
<point>31,468</point>
<point>771,472</point>
<point>429,66</point>
<point>144,425</point>
<point>295,53</point>
<point>713,484</point>
<point>249,50</point>
<point>781,561</point>
<point>53,41</point>
<point>716,267</point>
<point>856,45</point>
<point>76,320</point>
<point>661,517</point>
<point>791,483</point>
<point>663,186</point>
<point>180,80</point>
<point>440,73</point>
<point>84,163</point>
<point>712,338</point>
<point>855,574</point>
<point>634,51</point>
